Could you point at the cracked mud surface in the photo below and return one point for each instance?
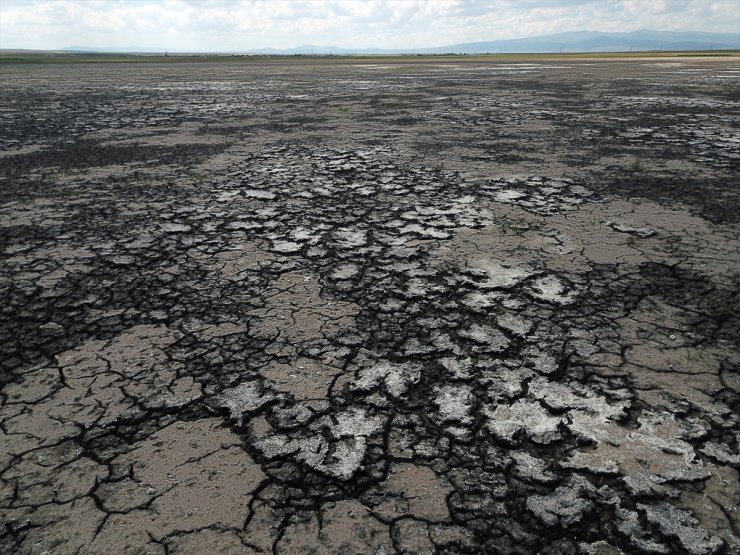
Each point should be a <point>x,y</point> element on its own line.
<point>317,308</point>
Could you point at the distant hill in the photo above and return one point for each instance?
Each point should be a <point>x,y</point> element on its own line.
<point>573,41</point>
<point>595,41</point>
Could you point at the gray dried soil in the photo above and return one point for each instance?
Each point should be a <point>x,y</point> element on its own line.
<point>370,308</point>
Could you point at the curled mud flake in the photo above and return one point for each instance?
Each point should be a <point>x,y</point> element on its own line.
<point>242,400</point>
<point>294,416</point>
<point>599,548</point>
<point>345,271</point>
<point>260,194</point>
<point>542,361</point>
<point>355,422</point>
<point>642,232</point>
<point>563,397</point>
<point>630,526</point>
<point>596,465</point>
<point>531,469</point>
<point>339,459</point>
<point>721,453</point>
<point>351,238</point>
<point>657,440</point>
<point>681,525</point>
<point>454,403</point>
<point>286,247</point>
<point>509,195</point>
<point>514,324</point>
<point>552,290</point>
<point>414,347</point>
<point>343,458</point>
<point>503,384</point>
<point>423,231</point>
<point>562,507</point>
<point>122,260</point>
<point>340,454</point>
<point>495,275</point>
<point>278,445</point>
<point>244,226</point>
<point>176,228</point>
<point>486,338</point>
<point>504,422</point>
<point>482,302</point>
<point>459,369</point>
<point>396,379</point>
<point>418,288</point>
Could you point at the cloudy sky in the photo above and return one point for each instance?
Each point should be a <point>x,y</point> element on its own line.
<point>227,25</point>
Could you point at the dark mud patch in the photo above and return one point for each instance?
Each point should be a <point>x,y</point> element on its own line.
<point>90,154</point>
<point>718,200</point>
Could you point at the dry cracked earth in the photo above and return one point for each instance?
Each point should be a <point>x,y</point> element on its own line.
<point>318,307</point>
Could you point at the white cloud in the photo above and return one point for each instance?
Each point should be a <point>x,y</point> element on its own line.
<point>246,24</point>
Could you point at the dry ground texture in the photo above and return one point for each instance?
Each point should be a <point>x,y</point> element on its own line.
<point>370,307</point>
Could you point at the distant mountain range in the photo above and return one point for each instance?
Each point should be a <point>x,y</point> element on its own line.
<point>574,41</point>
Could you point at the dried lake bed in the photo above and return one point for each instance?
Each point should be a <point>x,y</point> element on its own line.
<point>320,306</point>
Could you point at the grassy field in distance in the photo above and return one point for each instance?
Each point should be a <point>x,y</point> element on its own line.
<point>15,57</point>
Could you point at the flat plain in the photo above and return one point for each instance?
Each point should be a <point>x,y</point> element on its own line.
<point>373,306</point>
